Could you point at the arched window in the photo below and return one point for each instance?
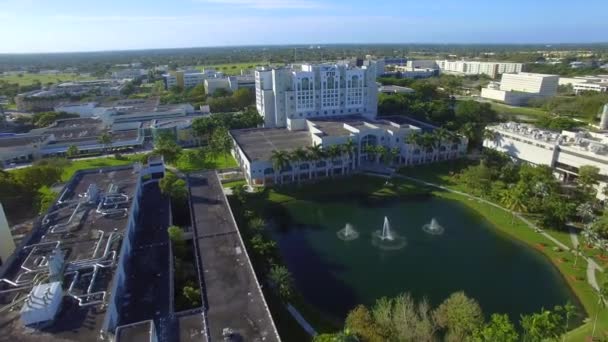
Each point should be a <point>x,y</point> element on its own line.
<point>305,83</point>
<point>369,140</point>
<point>331,83</point>
<point>355,83</point>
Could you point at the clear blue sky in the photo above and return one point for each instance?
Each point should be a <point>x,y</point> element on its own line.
<point>88,25</point>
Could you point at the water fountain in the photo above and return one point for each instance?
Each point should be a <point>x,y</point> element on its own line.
<point>348,233</point>
<point>387,239</point>
<point>433,228</point>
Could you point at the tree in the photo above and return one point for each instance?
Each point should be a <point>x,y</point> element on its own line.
<point>333,152</point>
<point>499,328</point>
<point>240,192</point>
<point>361,323</point>
<point>350,148</point>
<point>262,246</point>
<point>173,187</point>
<point>220,142</point>
<point>193,295</point>
<point>315,154</point>
<point>281,278</point>
<point>72,151</point>
<point>256,224</point>
<point>588,177</point>
<point>459,315</point>
<point>541,326</point>
<point>105,139</point>
<point>176,235</point>
<point>280,162</point>
<point>166,146</point>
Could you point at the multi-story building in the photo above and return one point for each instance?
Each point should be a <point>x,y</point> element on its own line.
<point>129,73</point>
<point>315,91</point>
<point>491,69</point>
<point>579,84</point>
<point>518,89</point>
<point>184,79</point>
<point>565,152</point>
<point>47,99</point>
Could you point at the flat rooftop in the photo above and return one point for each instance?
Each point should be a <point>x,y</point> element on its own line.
<point>83,232</point>
<point>258,143</point>
<point>233,298</point>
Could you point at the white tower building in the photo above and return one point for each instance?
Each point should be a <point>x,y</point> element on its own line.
<point>315,91</point>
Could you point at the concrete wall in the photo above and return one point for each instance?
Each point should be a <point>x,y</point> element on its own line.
<point>7,244</point>
<point>527,151</point>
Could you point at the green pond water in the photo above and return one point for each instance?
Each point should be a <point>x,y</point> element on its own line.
<point>333,275</point>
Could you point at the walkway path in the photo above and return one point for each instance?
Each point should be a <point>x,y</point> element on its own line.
<point>592,266</point>
<point>301,320</point>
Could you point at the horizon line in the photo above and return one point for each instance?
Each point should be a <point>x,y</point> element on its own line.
<point>548,44</point>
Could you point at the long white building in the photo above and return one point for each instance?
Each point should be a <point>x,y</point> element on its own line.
<point>565,152</point>
<point>518,89</point>
<point>253,147</point>
<point>491,69</point>
<point>315,91</point>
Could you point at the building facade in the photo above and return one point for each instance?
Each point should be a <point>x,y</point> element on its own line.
<point>253,148</point>
<point>564,152</point>
<point>491,69</point>
<point>518,89</point>
<point>315,91</point>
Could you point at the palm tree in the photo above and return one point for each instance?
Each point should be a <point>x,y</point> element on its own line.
<point>489,135</point>
<point>105,139</point>
<point>602,295</point>
<point>298,156</point>
<point>413,139</point>
<point>513,199</point>
<point>280,161</point>
<point>381,153</point>
<point>333,152</point>
<point>394,153</point>
<point>369,150</point>
<point>316,154</point>
<point>428,142</point>
<point>350,148</point>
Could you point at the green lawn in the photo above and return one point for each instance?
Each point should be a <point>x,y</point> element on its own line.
<point>100,162</point>
<point>232,184</point>
<point>513,111</point>
<point>30,78</point>
<point>232,68</point>
<point>192,164</point>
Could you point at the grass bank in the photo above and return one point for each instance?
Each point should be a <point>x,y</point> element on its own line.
<point>511,111</point>
<point>504,222</point>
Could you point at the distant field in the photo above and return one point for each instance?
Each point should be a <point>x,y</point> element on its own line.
<point>527,111</point>
<point>27,79</point>
<point>232,68</point>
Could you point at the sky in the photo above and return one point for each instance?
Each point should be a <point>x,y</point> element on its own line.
<point>96,25</point>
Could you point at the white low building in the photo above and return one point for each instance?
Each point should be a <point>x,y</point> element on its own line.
<point>253,148</point>
<point>518,89</point>
<point>579,84</point>
<point>565,152</point>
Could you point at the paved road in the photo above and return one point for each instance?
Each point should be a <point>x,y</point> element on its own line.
<point>592,266</point>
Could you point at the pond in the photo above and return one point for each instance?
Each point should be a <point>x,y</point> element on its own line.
<point>335,275</point>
